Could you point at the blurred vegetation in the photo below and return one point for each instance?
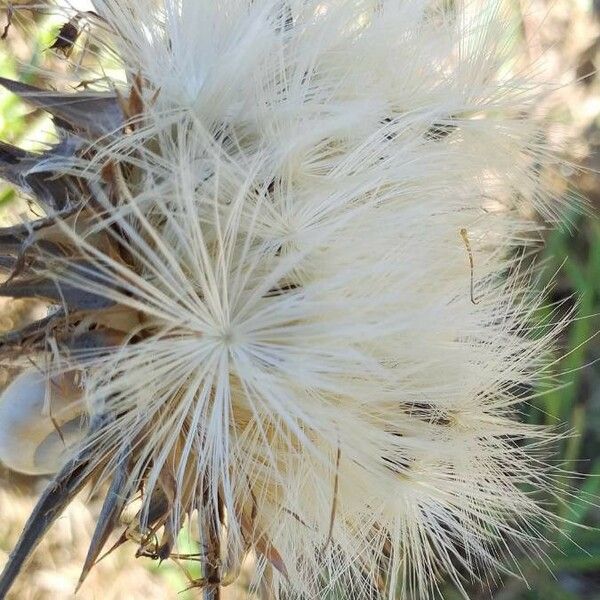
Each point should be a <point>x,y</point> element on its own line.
<point>565,41</point>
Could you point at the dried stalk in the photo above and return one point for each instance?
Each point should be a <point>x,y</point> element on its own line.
<point>211,553</point>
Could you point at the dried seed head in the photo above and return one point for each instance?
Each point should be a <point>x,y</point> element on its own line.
<point>252,251</point>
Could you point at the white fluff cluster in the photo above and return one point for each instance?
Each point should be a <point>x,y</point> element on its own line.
<point>313,179</point>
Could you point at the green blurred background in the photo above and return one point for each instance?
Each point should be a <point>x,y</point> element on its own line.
<point>562,38</point>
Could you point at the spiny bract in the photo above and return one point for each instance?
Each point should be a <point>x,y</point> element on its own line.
<point>281,258</point>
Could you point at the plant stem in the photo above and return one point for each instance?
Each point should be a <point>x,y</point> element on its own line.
<point>211,562</point>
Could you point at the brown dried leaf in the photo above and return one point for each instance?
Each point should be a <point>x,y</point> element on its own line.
<point>93,114</point>
<point>114,503</point>
<point>56,497</point>
<point>35,175</point>
<point>57,290</point>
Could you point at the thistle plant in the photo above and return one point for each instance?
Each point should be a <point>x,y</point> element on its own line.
<point>283,258</point>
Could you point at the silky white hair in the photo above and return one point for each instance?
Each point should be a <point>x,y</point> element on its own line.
<point>325,239</point>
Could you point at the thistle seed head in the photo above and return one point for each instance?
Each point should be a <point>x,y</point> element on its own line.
<point>282,258</point>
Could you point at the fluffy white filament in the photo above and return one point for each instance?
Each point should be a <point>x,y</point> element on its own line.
<point>314,177</point>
